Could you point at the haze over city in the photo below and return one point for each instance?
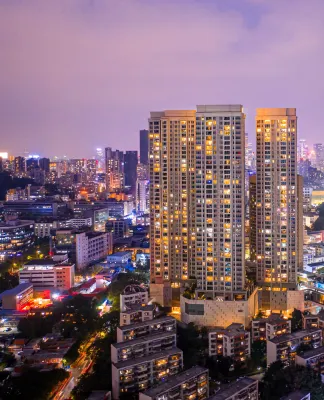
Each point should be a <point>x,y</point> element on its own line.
<point>81,74</point>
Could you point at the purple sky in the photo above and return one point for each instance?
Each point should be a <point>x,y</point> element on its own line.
<point>78,74</point>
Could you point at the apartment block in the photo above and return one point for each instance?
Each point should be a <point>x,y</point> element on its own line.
<point>219,261</point>
<point>137,313</point>
<point>131,332</point>
<point>144,346</point>
<point>284,348</point>
<point>276,196</point>
<point>312,359</point>
<point>268,328</point>
<point>133,295</point>
<point>242,389</point>
<point>139,374</point>
<point>310,321</point>
<point>172,169</point>
<point>234,342</point>
<point>189,384</point>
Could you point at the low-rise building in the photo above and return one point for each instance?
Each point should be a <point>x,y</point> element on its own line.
<point>268,328</point>
<point>144,346</point>
<point>310,321</point>
<point>130,332</point>
<point>234,342</point>
<point>137,313</point>
<point>139,374</point>
<point>18,297</point>
<point>121,257</point>
<point>284,348</point>
<point>47,274</point>
<point>242,389</point>
<point>133,294</point>
<point>297,395</point>
<point>312,359</point>
<point>16,236</point>
<point>92,246</point>
<point>189,384</point>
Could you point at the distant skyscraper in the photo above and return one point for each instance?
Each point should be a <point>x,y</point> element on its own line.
<point>144,146</point>
<point>142,195</point>
<point>20,165</point>
<point>319,155</point>
<point>218,263</point>
<point>302,150</point>
<point>172,170</point>
<point>142,172</point>
<point>114,160</point>
<point>44,164</point>
<point>276,195</point>
<point>130,169</point>
<point>32,162</point>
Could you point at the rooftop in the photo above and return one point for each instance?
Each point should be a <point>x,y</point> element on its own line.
<point>295,335</point>
<point>16,290</point>
<point>151,357</point>
<point>312,353</point>
<point>46,261</point>
<point>233,388</point>
<point>175,381</point>
<point>15,223</point>
<point>148,338</point>
<point>139,307</point>
<point>120,254</point>
<point>297,395</point>
<point>145,323</point>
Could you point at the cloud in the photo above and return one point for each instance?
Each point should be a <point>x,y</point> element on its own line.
<point>76,74</point>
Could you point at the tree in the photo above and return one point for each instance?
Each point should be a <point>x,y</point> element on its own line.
<point>32,384</point>
<point>296,320</point>
<point>258,354</point>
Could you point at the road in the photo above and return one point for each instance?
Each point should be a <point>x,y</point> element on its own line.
<point>79,367</point>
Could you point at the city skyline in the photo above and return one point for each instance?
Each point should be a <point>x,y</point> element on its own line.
<point>56,101</point>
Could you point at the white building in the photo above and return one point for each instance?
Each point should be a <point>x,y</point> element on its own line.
<point>142,195</point>
<point>121,257</point>
<point>133,295</point>
<point>137,313</point>
<point>48,274</point>
<point>92,246</point>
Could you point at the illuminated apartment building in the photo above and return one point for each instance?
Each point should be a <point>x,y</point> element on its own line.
<point>276,196</point>
<point>269,328</point>
<point>172,170</point>
<point>218,263</point>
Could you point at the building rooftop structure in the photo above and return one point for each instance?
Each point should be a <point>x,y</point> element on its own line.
<point>294,335</point>
<point>311,353</point>
<point>139,307</point>
<point>140,360</point>
<point>144,339</point>
<point>231,389</point>
<point>145,323</point>
<point>40,262</point>
<point>16,290</point>
<point>120,253</point>
<point>175,380</point>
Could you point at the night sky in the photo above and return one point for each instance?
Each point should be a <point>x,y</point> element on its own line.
<point>78,74</point>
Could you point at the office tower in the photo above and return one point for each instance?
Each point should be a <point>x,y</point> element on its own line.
<point>144,146</point>
<point>252,221</point>
<point>300,223</point>
<point>172,171</point>
<point>218,263</point>
<point>130,169</point>
<point>114,161</point>
<point>276,195</point>
<point>91,167</point>
<point>100,157</point>
<point>319,155</point>
<point>20,165</point>
<point>44,164</point>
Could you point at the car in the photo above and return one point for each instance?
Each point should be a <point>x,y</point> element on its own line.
<point>8,330</point>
